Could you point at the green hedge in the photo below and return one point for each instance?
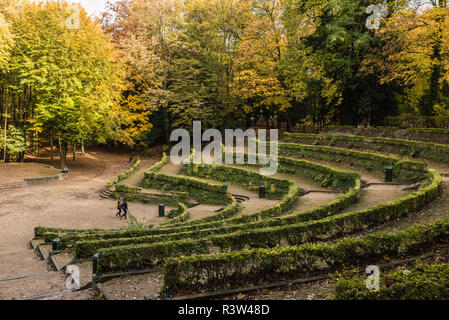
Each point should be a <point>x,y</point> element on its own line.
<point>89,247</point>
<point>415,149</point>
<point>275,188</point>
<point>325,229</point>
<point>157,166</point>
<point>423,282</point>
<point>252,220</point>
<point>144,256</point>
<point>195,188</point>
<point>39,232</point>
<point>132,192</point>
<point>187,274</point>
<point>181,216</point>
<point>230,210</point>
<point>125,189</point>
<point>124,175</point>
<point>402,170</point>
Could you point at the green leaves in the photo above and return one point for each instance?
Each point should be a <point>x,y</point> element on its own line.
<point>6,42</point>
<point>68,79</point>
<point>15,142</point>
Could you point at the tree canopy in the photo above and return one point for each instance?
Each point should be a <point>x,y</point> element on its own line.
<point>150,66</point>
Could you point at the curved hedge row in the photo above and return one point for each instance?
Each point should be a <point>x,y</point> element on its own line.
<point>125,257</point>
<point>124,175</point>
<point>182,215</point>
<point>252,220</point>
<point>195,188</point>
<point>403,170</point>
<point>424,282</point>
<point>158,165</point>
<point>275,188</point>
<point>411,134</point>
<point>39,232</point>
<point>200,272</point>
<point>231,209</point>
<point>87,246</point>
<point>416,149</point>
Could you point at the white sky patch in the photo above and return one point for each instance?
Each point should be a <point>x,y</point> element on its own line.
<point>93,7</point>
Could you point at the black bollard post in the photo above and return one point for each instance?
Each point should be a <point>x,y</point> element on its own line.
<point>162,210</point>
<point>94,264</point>
<point>388,174</point>
<point>262,191</point>
<point>54,244</point>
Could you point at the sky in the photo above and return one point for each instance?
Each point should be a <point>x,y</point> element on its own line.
<point>92,6</point>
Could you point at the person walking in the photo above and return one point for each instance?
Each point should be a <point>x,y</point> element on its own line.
<point>125,208</point>
<point>119,207</point>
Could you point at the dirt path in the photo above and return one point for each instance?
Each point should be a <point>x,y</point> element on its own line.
<point>12,172</point>
<point>71,203</point>
<point>376,195</point>
<point>137,177</point>
<point>437,210</point>
<point>253,205</point>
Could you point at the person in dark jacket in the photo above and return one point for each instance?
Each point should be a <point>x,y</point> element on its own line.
<point>125,208</point>
<point>119,207</point>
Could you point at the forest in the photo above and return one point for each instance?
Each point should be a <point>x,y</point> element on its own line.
<point>147,67</point>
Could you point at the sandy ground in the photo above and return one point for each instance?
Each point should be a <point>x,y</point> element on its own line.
<point>12,172</point>
<point>253,205</point>
<point>136,179</point>
<point>70,203</point>
<point>135,287</point>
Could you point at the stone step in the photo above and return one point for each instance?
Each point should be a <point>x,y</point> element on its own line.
<point>106,193</point>
<point>12,185</point>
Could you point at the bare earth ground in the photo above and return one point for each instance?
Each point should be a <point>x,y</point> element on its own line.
<point>254,204</point>
<point>12,172</point>
<point>71,203</point>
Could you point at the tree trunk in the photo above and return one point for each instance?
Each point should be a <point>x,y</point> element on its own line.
<point>248,121</point>
<point>63,153</point>
<point>289,122</point>
<point>82,146</point>
<point>74,151</point>
<point>4,132</point>
<point>51,150</point>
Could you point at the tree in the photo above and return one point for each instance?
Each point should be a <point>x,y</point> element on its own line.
<point>415,57</point>
<point>144,31</point>
<point>15,142</point>
<point>6,41</point>
<point>258,82</point>
<point>328,42</point>
<point>64,82</point>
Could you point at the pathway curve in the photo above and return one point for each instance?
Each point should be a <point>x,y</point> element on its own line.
<point>71,203</point>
